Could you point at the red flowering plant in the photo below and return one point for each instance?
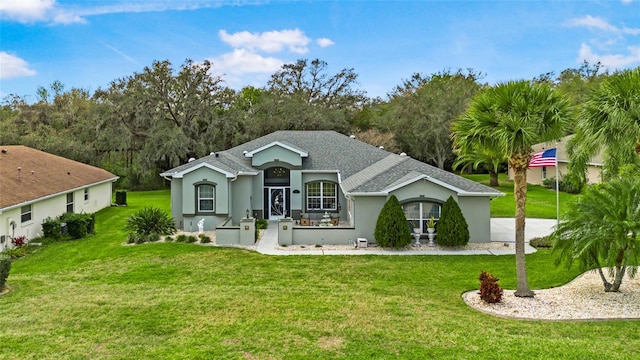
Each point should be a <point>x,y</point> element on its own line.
<point>19,241</point>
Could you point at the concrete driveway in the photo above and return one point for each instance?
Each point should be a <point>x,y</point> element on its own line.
<point>504,229</point>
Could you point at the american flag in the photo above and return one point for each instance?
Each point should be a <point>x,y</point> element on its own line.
<point>543,158</point>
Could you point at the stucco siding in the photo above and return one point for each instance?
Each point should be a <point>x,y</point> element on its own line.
<point>241,194</point>
<point>189,196</point>
<point>477,213</point>
<point>276,153</point>
<point>425,189</point>
<point>297,202</point>
<point>366,211</point>
<point>176,202</point>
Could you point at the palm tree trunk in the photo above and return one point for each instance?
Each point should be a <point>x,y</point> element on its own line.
<point>493,179</point>
<point>519,165</point>
<point>620,269</point>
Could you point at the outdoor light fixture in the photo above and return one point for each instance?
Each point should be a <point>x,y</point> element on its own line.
<point>247,213</point>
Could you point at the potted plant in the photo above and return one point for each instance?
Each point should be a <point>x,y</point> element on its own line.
<point>431,225</point>
<point>415,226</point>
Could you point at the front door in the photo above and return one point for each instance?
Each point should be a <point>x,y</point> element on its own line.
<point>277,203</point>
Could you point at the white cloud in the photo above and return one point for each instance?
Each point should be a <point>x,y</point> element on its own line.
<point>324,42</point>
<point>26,10</point>
<point>600,24</point>
<point>12,66</point>
<point>270,41</point>
<point>626,2</point>
<point>242,61</point>
<point>610,61</point>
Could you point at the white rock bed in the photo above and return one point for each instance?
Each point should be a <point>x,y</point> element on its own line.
<point>423,247</point>
<point>581,299</point>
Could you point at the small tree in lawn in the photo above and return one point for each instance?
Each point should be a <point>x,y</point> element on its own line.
<point>392,228</point>
<point>452,229</point>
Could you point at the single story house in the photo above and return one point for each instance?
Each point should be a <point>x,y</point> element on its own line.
<point>313,177</point>
<point>35,185</point>
<point>537,175</point>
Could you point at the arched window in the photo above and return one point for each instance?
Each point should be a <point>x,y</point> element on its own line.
<point>322,196</point>
<point>419,212</point>
<point>206,198</point>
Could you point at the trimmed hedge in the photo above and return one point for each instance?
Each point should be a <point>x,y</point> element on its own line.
<point>452,228</point>
<point>121,197</point>
<point>78,225</point>
<point>392,228</point>
<point>5,267</point>
<point>73,225</point>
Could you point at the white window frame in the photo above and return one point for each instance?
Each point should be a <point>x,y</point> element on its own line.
<point>24,211</point>
<point>70,202</point>
<point>200,198</point>
<point>422,217</point>
<point>322,196</point>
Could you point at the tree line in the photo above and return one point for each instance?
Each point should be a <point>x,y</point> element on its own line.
<point>153,120</point>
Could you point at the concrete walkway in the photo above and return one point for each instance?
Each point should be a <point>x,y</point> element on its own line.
<point>502,231</point>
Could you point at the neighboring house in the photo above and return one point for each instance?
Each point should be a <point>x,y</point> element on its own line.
<point>35,185</point>
<point>536,176</point>
<point>304,175</point>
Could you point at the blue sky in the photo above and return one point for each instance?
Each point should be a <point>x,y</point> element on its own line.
<point>88,44</point>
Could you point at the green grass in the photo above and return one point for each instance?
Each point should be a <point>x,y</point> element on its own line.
<point>97,299</point>
<point>541,202</point>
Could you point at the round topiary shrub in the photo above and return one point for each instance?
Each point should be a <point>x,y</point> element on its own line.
<point>392,228</point>
<point>452,228</point>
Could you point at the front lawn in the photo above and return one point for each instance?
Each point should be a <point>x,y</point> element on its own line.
<point>541,202</point>
<point>97,299</point>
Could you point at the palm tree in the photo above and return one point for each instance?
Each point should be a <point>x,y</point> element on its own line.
<point>609,121</point>
<point>514,115</point>
<point>484,153</point>
<point>602,230</point>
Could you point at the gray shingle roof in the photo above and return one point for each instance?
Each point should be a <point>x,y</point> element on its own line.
<point>363,168</point>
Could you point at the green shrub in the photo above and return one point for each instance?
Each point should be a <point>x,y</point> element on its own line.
<point>151,220</point>
<point>181,238</point>
<point>168,238</point>
<point>78,225</point>
<point>135,238</point>
<point>191,239</point>
<point>51,228</point>
<point>260,224</point>
<point>392,227</point>
<point>5,267</point>
<point>121,197</point>
<point>490,291</point>
<point>452,228</point>
<point>569,183</point>
<point>16,252</point>
<point>541,242</point>
<point>153,237</point>
<point>205,239</point>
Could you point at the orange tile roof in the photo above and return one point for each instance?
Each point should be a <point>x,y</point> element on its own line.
<point>41,174</point>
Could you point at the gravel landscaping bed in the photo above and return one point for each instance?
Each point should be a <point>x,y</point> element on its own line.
<point>581,299</point>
